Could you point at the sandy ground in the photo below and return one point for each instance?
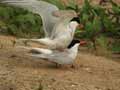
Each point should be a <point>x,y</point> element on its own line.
<point>20,72</point>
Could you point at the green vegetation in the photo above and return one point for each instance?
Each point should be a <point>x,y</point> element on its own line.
<point>100,23</point>
<point>19,22</point>
<point>57,3</point>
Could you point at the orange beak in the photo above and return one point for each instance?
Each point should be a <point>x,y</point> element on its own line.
<point>82,43</point>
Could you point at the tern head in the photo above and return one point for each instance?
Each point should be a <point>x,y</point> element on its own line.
<point>74,41</point>
<point>77,19</point>
<point>74,50</point>
<point>80,26</point>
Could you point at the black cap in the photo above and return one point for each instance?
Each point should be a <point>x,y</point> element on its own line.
<point>74,41</point>
<point>75,19</point>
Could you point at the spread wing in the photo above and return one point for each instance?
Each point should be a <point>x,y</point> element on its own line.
<point>44,9</point>
<point>50,14</point>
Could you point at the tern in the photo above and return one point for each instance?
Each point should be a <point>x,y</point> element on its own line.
<point>58,25</point>
<point>66,57</point>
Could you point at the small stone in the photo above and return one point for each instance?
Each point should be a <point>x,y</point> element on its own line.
<point>13,56</point>
<point>88,70</point>
<point>73,85</point>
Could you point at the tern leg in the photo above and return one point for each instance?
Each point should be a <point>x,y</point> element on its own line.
<point>14,43</point>
<point>57,65</point>
<point>73,66</point>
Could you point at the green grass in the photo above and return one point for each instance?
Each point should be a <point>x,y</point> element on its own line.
<point>19,22</point>
<point>116,47</point>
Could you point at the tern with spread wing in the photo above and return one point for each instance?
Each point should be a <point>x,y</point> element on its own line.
<point>59,25</point>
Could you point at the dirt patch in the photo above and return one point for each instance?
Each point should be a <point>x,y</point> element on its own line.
<point>20,72</point>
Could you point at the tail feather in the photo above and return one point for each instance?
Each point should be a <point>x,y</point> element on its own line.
<point>43,56</point>
<point>37,50</point>
<point>41,50</point>
<point>46,41</point>
<point>43,41</point>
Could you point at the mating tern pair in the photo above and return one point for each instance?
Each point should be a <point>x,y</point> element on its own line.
<point>59,27</point>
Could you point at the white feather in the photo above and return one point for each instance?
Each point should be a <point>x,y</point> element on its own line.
<point>66,57</point>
